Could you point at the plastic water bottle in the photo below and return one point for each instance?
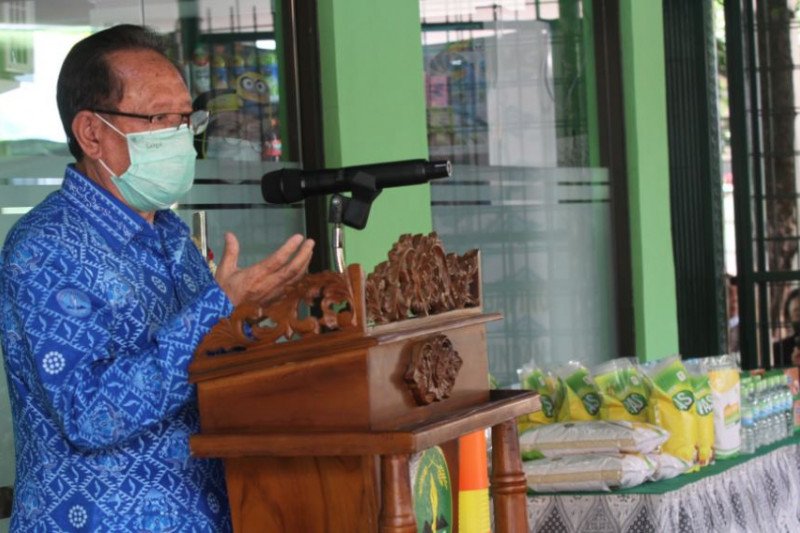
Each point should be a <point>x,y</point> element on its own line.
<point>759,410</point>
<point>788,406</point>
<point>789,412</point>
<point>769,394</point>
<point>748,421</point>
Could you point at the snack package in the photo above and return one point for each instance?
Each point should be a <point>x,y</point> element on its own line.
<point>596,436</point>
<point>550,395</point>
<point>622,391</point>
<point>704,410</point>
<point>588,472</point>
<point>723,377</point>
<point>671,406</point>
<point>581,397</point>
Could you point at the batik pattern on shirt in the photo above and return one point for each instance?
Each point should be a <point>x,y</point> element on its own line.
<point>101,313</point>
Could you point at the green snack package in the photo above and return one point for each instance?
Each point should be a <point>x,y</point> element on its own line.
<point>672,406</point>
<point>623,391</point>
<point>704,409</point>
<point>550,396</point>
<point>581,398</point>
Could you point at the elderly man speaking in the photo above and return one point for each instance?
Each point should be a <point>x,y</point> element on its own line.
<point>104,299</point>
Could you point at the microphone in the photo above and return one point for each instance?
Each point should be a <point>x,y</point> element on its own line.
<point>290,185</point>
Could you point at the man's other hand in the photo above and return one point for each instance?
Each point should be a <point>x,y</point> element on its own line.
<point>265,281</point>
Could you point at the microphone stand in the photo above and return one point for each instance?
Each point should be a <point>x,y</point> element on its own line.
<point>337,231</point>
<point>352,211</point>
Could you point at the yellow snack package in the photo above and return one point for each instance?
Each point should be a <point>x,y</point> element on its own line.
<point>704,410</point>
<point>672,405</point>
<point>550,396</point>
<point>581,398</point>
<point>622,390</point>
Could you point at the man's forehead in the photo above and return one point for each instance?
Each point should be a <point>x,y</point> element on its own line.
<point>148,75</point>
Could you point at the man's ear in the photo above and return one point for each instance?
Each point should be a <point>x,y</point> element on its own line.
<point>86,129</point>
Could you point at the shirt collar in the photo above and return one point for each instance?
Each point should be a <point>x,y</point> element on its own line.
<point>114,220</point>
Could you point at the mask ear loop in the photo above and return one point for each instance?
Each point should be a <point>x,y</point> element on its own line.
<point>114,176</point>
<point>110,125</point>
<point>107,123</point>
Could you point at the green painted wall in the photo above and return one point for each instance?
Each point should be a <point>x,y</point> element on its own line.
<point>373,104</point>
<point>589,59</point>
<point>644,87</point>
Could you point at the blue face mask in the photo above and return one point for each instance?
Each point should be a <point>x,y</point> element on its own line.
<point>161,169</point>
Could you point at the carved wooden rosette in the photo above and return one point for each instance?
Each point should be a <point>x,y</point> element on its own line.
<point>419,279</point>
<point>328,292</point>
<point>432,369</point>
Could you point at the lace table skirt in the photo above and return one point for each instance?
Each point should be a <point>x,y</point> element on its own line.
<point>762,494</point>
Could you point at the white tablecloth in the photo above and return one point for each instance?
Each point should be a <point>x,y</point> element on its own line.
<point>760,495</point>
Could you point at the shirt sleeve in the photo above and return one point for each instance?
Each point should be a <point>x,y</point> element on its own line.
<point>100,397</point>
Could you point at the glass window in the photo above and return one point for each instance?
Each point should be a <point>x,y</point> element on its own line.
<point>509,103</point>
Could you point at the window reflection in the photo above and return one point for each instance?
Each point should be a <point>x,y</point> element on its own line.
<point>227,51</point>
<point>506,82</point>
<point>507,102</point>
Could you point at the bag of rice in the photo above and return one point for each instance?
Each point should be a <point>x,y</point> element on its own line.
<point>704,410</point>
<point>622,390</point>
<point>550,395</point>
<point>596,436</point>
<point>588,472</point>
<point>581,397</point>
<point>671,406</point>
<point>723,377</point>
<point>667,466</point>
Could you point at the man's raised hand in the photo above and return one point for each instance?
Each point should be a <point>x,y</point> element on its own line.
<point>265,281</point>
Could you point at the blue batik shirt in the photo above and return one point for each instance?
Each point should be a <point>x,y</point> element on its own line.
<point>101,313</point>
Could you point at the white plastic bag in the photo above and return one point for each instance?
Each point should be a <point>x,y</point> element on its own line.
<point>597,436</point>
<point>667,466</point>
<point>588,472</point>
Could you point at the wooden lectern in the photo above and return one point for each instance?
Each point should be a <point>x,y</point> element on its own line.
<point>316,417</point>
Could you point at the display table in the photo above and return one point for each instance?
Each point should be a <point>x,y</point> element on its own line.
<point>759,492</point>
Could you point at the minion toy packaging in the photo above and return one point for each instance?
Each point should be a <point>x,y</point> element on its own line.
<point>238,85</point>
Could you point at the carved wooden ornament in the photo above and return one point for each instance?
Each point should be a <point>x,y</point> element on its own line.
<point>330,292</point>
<point>419,279</point>
<point>433,368</point>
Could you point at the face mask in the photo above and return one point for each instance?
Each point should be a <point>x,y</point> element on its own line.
<point>161,169</point>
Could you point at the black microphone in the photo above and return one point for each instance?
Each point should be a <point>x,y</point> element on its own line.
<point>290,185</point>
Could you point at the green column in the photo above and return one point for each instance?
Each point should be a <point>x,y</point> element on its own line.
<point>373,107</point>
<point>644,88</point>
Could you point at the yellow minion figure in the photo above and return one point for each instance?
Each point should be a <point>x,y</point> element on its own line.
<point>252,87</point>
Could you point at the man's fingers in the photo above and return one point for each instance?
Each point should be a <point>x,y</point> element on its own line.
<point>281,256</point>
<point>230,256</point>
<point>299,263</point>
<point>296,265</point>
<point>276,281</point>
